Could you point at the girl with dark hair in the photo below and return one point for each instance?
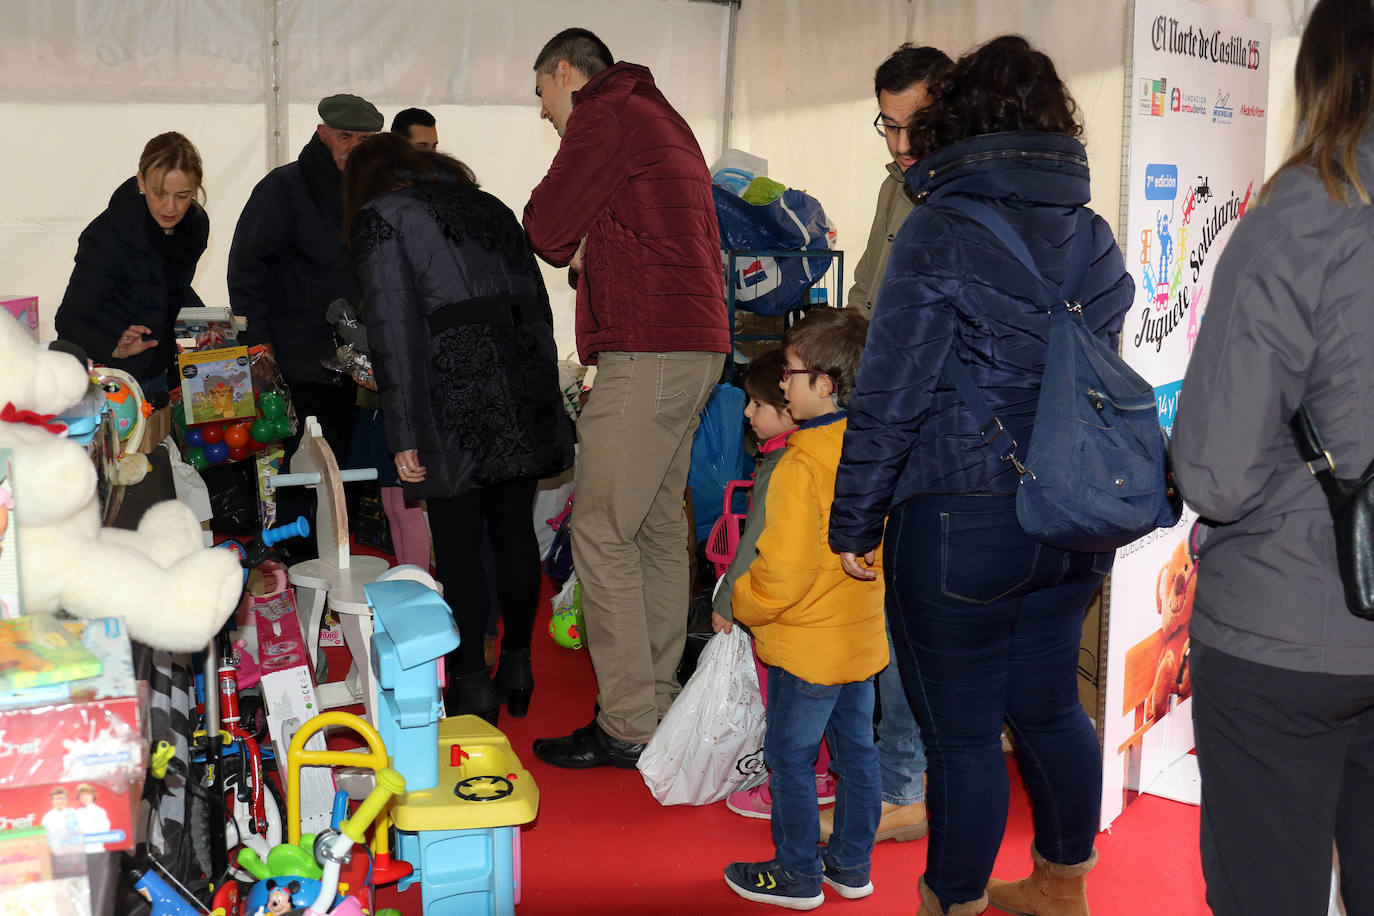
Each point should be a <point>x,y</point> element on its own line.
<point>461,337</point>
<point>985,621</point>
<point>1282,672</point>
<point>134,265</point>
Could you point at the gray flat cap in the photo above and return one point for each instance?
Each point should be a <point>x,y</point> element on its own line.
<point>349,112</point>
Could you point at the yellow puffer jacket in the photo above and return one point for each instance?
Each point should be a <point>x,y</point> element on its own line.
<point>807,615</point>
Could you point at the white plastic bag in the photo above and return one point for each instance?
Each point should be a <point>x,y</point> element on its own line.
<point>711,741</point>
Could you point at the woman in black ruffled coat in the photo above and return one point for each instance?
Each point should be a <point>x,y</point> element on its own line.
<point>134,265</point>
<point>461,337</point>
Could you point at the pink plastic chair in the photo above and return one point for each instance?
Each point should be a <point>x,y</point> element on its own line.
<point>723,540</point>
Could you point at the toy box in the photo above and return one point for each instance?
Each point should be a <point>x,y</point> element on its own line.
<point>288,690</point>
<point>36,649</point>
<point>216,385</point>
<point>10,605</point>
<point>35,882</point>
<point>76,767</point>
<point>24,309</point>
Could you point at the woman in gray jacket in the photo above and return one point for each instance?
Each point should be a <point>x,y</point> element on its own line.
<point>1282,672</point>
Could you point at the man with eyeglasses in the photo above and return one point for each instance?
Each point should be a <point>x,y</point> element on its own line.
<point>900,84</point>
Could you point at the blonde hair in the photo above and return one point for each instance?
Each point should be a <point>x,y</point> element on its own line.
<point>171,152</point>
<point>1332,79</point>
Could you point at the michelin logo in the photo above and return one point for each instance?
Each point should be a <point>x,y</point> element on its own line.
<point>1161,182</point>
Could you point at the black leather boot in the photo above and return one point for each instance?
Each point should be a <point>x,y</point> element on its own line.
<point>472,694</point>
<point>515,681</point>
<point>589,746</point>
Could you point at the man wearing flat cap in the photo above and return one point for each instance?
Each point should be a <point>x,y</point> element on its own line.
<point>287,264</point>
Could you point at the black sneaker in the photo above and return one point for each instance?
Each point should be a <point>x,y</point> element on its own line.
<point>850,883</point>
<point>769,882</point>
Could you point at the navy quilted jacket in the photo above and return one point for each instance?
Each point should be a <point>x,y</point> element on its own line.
<point>952,290</point>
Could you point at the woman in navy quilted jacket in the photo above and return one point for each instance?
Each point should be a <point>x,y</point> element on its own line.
<point>461,338</point>
<point>985,622</point>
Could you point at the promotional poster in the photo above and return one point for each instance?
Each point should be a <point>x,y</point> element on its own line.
<point>1200,83</point>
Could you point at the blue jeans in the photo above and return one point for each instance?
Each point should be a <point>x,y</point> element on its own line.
<point>901,754</point>
<point>799,715</point>
<point>986,624</point>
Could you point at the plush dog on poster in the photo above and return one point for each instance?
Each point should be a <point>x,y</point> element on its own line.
<point>172,591</point>
<point>1174,591</point>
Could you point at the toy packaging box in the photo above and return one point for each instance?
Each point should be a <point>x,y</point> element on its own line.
<point>75,767</point>
<point>37,650</point>
<point>10,605</point>
<point>36,882</point>
<point>288,690</point>
<point>24,309</point>
<point>216,385</point>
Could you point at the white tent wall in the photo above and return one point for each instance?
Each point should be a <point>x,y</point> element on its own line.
<point>84,83</point>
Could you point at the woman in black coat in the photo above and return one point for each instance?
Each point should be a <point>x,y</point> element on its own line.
<point>135,262</point>
<point>461,337</point>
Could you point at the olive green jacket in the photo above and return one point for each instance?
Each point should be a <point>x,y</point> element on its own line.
<point>894,206</point>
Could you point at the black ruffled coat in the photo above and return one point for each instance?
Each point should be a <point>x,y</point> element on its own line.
<point>461,335</point>
<point>121,279</point>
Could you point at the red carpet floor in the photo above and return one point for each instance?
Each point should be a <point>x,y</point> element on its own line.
<point>602,845</point>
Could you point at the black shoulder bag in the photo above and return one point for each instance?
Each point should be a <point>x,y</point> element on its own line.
<point>1352,513</point>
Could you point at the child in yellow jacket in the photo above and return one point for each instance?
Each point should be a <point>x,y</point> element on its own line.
<point>821,634</point>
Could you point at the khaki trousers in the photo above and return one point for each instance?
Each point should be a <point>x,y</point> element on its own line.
<point>629,531</point>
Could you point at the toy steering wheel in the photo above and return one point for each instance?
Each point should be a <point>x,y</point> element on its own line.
<point>484,788</point>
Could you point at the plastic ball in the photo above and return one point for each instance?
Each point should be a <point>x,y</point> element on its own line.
<point>272,405</point>
<point>195,457</point>
<point>238,452</point>
<point>212,434</point>
<point>194,439</point>
<point>216,453</point>
<point>281,427</point>
<point>254,445</point>
<point>236,436</point>
<point>566,625</point>
<point>261,430</point>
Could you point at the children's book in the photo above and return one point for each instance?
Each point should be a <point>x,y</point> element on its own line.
<point>37,649</point>
<point>207,327</point>
<point>217,385</point>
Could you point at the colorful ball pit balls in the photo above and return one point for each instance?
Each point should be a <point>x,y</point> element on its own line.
<point>281,427</point>
<point>238,452</point>
<point>261,430</point>
<point>217,453</point>
<point>272,405</point>
<point>236,436</point>
<point>212,434</point>
<point>195,457</point>
<point>194,439</point>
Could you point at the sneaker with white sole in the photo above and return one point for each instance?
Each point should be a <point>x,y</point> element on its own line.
<point>769,882</point>
<point>756,802</point>
<point>825,788</point>
<point>850,883</point>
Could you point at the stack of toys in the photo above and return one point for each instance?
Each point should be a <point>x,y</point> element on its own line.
<point>232,404</point>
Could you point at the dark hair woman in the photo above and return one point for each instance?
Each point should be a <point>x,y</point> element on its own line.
<point>1282,672</point>
<point>985,621</point>
<point>461,337</point>
<point>135,262</point>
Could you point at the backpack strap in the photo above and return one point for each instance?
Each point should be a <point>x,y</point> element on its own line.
<point>1080,252</point>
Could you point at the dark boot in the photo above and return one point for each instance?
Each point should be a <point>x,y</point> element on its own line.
<point>1051,890</point>
<point>589,746</point>
<point>472,694</point>
<point>515,681</point>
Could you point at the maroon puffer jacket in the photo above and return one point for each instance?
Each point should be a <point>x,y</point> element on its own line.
<point>630,176</point>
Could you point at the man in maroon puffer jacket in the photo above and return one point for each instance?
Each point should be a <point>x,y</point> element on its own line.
<point>627,205</point>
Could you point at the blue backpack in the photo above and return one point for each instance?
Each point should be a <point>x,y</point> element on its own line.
<point>1096,475</point>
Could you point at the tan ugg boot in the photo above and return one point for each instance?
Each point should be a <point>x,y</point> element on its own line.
<point>902,823</point>
<point>930,904</point>
<point>1051,890</point>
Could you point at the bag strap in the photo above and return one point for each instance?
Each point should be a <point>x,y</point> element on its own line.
<point>1080,252</point>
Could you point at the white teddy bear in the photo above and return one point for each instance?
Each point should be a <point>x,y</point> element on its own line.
<point>173,592</point>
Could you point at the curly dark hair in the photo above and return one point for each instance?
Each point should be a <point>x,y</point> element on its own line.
<point>1004,85</point>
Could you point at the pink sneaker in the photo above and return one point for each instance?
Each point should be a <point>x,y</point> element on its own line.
<point>756,802</point>
<point>825,788</point>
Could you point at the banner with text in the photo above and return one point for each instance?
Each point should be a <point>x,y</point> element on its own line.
<point>1200,78</point>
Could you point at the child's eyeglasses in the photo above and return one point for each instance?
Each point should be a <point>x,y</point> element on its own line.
<point>788,372</point>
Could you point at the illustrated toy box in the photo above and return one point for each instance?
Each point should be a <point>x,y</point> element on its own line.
<point>75,767</point>
<point>24,309</point>
<point>216,385</point>
<point>288,690</point>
